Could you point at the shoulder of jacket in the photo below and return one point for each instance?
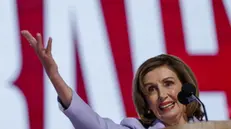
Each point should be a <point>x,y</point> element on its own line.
<point>132,123</point>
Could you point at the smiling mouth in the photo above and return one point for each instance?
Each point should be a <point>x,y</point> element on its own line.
<point>167,107</point>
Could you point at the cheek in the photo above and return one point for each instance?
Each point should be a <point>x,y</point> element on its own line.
<point>152,101</point>
<point>173,94</point>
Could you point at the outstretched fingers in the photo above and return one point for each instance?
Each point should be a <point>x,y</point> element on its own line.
<point>36,43</point>
<point>29,38</point>
<point>39,44</point>
<point>49,44</point>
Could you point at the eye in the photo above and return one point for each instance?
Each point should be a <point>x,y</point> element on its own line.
<point>151,89</point>
<point>168,83</point>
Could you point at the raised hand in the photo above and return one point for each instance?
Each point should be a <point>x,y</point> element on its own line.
<point>45,56</point>
<point>43,53</point>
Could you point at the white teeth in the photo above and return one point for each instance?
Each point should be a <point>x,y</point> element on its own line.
<point>166,106</point>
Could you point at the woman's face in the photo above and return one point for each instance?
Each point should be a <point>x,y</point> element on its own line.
<point>163,87</point>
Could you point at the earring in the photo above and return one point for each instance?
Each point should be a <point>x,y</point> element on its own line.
<point>149,111</point>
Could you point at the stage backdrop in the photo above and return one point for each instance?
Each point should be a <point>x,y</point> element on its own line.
<point>98,45</point>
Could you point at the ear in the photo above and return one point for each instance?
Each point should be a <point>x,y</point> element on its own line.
<point>185,112</point>
<point>184,108</point>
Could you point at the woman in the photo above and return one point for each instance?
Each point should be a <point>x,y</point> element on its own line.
<point>156,86</point>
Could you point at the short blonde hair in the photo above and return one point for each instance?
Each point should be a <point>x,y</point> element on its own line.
<point>185,75</point>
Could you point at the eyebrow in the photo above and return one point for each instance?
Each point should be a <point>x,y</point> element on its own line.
<point>168,78</point>
<point>149,83</point>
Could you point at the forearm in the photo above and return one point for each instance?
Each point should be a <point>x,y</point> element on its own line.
<point>63,90</point>
<point>80,114</point>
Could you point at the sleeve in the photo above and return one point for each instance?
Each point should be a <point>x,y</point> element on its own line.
<point>83,117</point>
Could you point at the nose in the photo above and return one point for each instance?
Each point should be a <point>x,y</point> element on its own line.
<point>162,94</point>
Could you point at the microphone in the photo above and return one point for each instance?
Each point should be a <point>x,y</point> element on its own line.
<point>188,95</point>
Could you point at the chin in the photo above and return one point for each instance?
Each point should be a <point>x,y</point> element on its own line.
<point>172,115</point>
